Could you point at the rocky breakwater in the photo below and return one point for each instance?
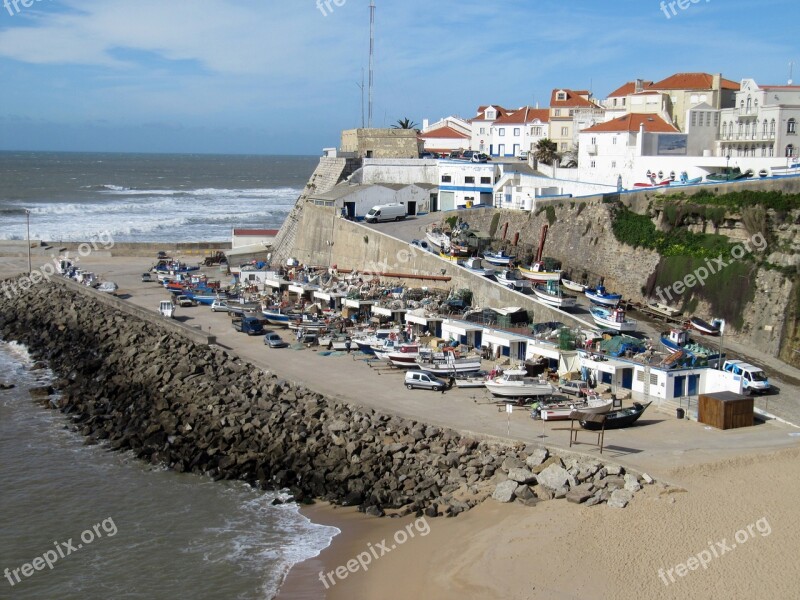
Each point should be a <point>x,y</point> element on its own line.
<point>129,384</point>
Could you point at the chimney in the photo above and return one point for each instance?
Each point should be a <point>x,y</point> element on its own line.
<point>716,84</point>
<point>424,124</point>
<point>639,86</point>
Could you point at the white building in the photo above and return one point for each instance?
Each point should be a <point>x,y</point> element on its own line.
<point>518,131</point>
<point>481,126</point>
<point>446,135</point>
<point>354,201</point>
<point>463,184</point>
<point>763,124</point>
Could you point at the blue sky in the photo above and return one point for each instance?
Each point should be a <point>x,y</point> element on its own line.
<point>278,76</point>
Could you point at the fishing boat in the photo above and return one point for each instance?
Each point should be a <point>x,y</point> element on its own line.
<point>729,174</point>
<point>684,180</point>
<point>438,238</point>
<point>790,170</point>
<point>450,257</point>
<point>538,273</point>
<point>574,286</point>
<point>306,322</point>
<point>278,316</point>
<point>474,264</point>
<point>511,278</point>
<point>500,259</point>
<point>551,294</point>
<point>471,380</point>
<point>617,419</point>
<point>612,319</point>
<point>664,309</point>
<point>336,341</point>
<point>515,383</point>
<point>447,362</point>
<point>650,184</point>
<point>601,297</point>
<point>404,356</point>
<point>561,411</point>
<point>679,340</point>
<point>703,326</point>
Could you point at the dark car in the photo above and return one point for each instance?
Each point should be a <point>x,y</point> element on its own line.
<point>273,340</point>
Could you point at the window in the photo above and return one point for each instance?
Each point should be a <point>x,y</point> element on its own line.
<point>483,130</point>
<point>791,127</point>
<point>703,97</point>
<point>724,129</point>
<point>594,140</point>
<point>763,149</point>
<point>486,180</point>
<point>755,104</point>
<point>789,150</point>
<point>501,132</point>
<point>749,104</point>
<point>594,164</point>
<point>571,112</point>
<point>764,129</point>
<point>557,112</point>
<point>716,119</point>
<point>747,130</point>
<point>771,150</point>
<point>694,118</point>
<point>694,99</point>
<point>613,164</point>
<point>563,146</point>
<point>561,96</point>
<point>615,101</point>
<point>564,131</point>
<point>772,128</point>
<point>536,131</point>
<point>446,179</point>
<point>708,119</point>
<point>491,115</point>
<point>469,180</point>
<point>516,131</point>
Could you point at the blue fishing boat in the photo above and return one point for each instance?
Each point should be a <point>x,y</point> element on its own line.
<point>277,316</point>
<point>500,259</point>
<point>601,297</point>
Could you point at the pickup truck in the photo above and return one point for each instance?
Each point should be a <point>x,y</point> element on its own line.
<point>248,325</point>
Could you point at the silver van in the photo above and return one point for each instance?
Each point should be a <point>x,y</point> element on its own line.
<point>424,380</point>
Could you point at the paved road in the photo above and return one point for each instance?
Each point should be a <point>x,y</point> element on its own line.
<point>664,443</point>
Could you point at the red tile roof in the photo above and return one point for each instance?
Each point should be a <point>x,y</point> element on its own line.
<point>444,132</point>
<point>692,81</point>
<point>481,116</point>
<point>574,99</point>
<point>526,114</point>
<point>628,88</point>
<point>256,232</point>
<point>629,123</point>
<point>780,87</point>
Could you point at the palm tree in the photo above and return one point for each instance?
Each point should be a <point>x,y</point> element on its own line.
<point>405,123</point>
<point>546,151</point>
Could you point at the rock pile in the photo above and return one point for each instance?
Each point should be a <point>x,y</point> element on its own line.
<point>126,383</point>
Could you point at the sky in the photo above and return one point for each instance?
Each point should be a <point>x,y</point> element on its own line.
<point>285,76</point>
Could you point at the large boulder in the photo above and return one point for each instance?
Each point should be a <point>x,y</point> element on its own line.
<point>620,498</point>
<point>554,477</point>
<point>521,475</point>
<point>505,491</point>
<point>536,458</point>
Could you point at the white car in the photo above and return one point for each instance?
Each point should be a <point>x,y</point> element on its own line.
<point>185,301</point>
<point>219,306</point>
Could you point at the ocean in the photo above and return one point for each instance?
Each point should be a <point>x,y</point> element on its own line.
<point>146,197</point>
<point>154,533</point>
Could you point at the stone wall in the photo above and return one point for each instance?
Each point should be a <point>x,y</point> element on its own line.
<point>126,383</point>
<point>381,143</point>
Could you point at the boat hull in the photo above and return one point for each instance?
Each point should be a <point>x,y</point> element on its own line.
<point>619,418</point>
<point>556,301</point>
<point>503,390</point>
<point>608,322</point>
<point>540,276</point>
<point>603,299</point>
<point>703,327</point>
<point>573,286</point>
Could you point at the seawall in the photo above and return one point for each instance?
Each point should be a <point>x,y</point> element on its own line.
<point>129,383</point>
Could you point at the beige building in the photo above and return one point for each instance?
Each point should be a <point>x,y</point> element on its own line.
<point>380,143</point>
<point>571,111</point>
<point>686,90</point>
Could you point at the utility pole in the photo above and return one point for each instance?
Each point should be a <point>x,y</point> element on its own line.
<point>371,56</point>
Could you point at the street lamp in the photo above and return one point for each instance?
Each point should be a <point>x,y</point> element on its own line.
<point>727,167</point>
<point>28,228</point>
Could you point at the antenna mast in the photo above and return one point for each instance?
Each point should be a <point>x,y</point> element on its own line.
<point>791,69</point>
<point>371,56</point>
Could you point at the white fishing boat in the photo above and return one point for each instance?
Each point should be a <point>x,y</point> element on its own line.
<point>511,278</point>
<point>404,356</point>
<point>574,286</point>
<point>538,273</point>
<point>514,383</point>
<point>612,319</point>
<point>471,381</point>
<point>447,362</point>
<point>438,238</point>
<point>475,265</point>
<point>664,309</point>
<point>559,412</point>
<point>500,259</point>
<point>551,294</point>
<point>792,169</point>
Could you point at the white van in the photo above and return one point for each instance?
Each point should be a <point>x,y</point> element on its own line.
<point>754,380</point>
<point>386,212</point>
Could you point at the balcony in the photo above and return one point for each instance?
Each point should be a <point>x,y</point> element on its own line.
<point>745,113</point>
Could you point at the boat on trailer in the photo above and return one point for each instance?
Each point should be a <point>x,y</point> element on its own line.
<point>515,383</point>
<point>561,411</point>
<point>617,419</point>
<point>447,362</point>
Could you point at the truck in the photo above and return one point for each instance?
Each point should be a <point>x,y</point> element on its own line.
<point>754,380</point>
<point>386,212</point>
<point>248,325</point>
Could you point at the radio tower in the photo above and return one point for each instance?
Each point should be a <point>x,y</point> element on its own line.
<point>371,57</point>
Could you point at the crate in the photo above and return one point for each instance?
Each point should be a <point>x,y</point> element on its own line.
<point>725,410</point>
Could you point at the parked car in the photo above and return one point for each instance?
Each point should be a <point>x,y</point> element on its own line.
<point>161,255</point>
<point>147,278</point>
<point>424,380</point>
<point>219,306</point>
<point>273,340</point>
<point>185,301</point>
<point>386,212</point>
<point>522,155</point>
<point>578,388</point>
<point>248,325</point>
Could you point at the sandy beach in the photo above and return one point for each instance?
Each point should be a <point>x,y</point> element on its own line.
<point>736,517</point>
